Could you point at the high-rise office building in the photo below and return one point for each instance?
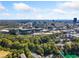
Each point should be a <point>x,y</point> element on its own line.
<point>74,20</point>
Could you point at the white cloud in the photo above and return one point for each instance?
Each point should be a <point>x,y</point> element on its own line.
<point>7,14</point>
<point>40,17</point>
<point>2,7</point>
<point>58,11</point>
<point>66,10</point>
<point>62,10</point>
<point>73,5</point>
<point>21,6</point>
<point>21,15</point>
<point>67,7</point>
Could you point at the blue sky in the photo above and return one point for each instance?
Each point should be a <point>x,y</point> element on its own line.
<point>39,9</point>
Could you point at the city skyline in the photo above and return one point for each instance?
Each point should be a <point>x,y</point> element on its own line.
<point>38,9</point>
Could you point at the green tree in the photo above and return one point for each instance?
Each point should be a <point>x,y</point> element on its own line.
<point>27,52</point>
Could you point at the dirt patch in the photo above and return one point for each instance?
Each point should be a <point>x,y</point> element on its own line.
<point>3,54</point>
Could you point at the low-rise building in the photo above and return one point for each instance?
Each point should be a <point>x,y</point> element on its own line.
<point>5,31</point>
<point>25,31</point>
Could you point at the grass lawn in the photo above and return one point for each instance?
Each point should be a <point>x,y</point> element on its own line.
<point>71,56</point>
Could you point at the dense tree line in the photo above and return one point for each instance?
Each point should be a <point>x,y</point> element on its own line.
<point>41,45</point>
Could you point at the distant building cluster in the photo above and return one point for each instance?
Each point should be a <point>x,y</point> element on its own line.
<point>38,28</point>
